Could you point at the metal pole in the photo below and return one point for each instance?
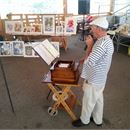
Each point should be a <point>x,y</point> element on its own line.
<point>6,84</point>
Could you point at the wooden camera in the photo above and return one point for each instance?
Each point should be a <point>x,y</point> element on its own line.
<point>65,72</point>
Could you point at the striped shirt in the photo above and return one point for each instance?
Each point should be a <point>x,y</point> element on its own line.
<point>97,65</point>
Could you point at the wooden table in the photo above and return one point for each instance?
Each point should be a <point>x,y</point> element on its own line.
<point>123,39</point>
<point>60,97</point>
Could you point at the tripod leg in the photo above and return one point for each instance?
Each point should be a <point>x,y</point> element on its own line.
<point>6,84</point>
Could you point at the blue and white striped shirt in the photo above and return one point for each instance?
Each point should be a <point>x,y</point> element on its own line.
<point>97,65</point>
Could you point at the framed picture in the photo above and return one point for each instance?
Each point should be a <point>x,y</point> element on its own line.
<point>70,25</point>
<point>37,29</point>
<point>9,27</point>
<point>18,48</point>
<point>5,48</point>
<point>28,30</point>
<point>28,51</point>
<point>59,30</point>
<point>49,24</point>
<point>18,27</point>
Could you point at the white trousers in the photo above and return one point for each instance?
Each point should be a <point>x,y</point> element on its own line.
<point>92,103</point>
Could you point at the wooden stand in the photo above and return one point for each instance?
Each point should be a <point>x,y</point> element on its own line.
<point>60,98</point>
<point>62,40</point>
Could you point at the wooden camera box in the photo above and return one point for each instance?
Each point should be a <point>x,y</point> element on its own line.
<point>65,72</point>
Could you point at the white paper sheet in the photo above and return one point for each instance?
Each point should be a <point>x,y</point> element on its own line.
<point>46,51</point>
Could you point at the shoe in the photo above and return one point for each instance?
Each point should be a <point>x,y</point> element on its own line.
<point>91,119</point>
<point>78,123</point>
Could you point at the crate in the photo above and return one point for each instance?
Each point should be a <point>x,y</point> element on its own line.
<point>65,72</point>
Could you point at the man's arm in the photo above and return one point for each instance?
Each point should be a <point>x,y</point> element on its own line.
<point>89,42</point>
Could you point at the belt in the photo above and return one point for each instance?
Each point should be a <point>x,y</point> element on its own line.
<point>86,81</point>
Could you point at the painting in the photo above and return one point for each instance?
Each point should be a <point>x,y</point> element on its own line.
<point>18,27</point>
<point>59,30</point>
<point>28,51</point>
<point>37,29</point>
<point>26,30</point>
<point>18,48</point>
<point>70,26</point>
<point>49,24</point>
<point>9,27</point>
<point>5,48</point>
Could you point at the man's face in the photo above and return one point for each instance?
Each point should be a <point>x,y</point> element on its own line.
<point>94,30</point>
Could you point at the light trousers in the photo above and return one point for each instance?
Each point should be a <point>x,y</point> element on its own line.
<point>92,103</point>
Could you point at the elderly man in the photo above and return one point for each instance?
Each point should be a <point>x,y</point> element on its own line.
<point>96,65</point>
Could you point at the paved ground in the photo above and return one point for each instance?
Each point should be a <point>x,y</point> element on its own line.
<point>28,94</point>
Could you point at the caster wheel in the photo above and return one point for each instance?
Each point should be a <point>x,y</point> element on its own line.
<point>52,112</point>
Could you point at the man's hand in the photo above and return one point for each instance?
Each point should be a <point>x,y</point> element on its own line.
<point>89,41</point>
<point>81,60</point>
<point>81,81</point>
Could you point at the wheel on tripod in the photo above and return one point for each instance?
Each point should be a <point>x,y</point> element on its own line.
<point>52,112</point>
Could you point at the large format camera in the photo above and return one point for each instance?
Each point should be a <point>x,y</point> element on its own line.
<point>88,31</point>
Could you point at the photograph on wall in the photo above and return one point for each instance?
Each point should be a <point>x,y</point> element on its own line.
<point>5,48</point>
<point>49,24</point>
<point>59,30</point>
<point>18,27</point>
<point>70,25</point>
<point>9,27</point>
<point>18,48</point>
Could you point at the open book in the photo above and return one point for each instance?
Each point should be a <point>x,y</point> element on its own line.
<point>46,51</point>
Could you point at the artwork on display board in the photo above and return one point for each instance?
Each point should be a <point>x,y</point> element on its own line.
<point>28,51</point>
<point>59,30</point>
<point>28,30</point>
<point>37,29</point>
<point>49,24</point>
<point>18,27</point>
<point>14,27</point>
<point>46,51</point>
<point>70,26</point>
<point>9,27</point>
<point>18,48</point>
<point>5,48</point>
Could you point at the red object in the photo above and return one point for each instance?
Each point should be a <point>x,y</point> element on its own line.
<point>89,18</point>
